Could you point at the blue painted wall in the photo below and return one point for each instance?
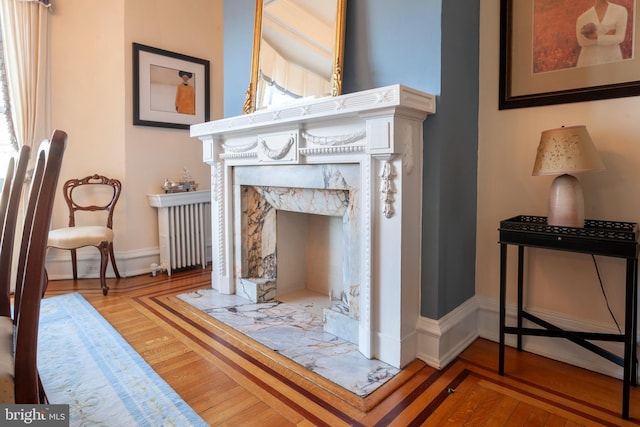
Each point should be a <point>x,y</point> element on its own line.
<point>430,45</point>
<point>238,50</point>
<point>451,158</point>
<point>392,42</point>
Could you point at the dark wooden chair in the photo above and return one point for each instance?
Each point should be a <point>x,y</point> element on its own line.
<point>18,361</point>
<point>75,236</point>
<point>9,203</point>
<point>9,208</point>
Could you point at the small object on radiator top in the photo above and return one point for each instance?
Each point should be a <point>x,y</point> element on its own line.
<point>178,187</point>
<point>186,183</point>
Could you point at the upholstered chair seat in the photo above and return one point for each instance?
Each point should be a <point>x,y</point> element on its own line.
<point>78,237</point>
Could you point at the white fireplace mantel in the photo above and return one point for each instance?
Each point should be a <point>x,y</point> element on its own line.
<point>381,132</point>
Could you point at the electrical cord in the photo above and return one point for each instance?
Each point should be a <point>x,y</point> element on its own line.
<point>605,294</point>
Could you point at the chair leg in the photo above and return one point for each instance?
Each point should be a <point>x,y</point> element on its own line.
<point>104,259</point>
<point>45,283</point>
<point>113,260</point>
<point>74,264</point>
<point>44,400</point>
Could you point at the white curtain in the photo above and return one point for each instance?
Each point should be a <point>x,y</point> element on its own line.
<point>25,34</point>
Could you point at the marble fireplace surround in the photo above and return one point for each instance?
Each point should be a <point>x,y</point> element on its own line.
<point>359,153</point>
<point>328,190</point>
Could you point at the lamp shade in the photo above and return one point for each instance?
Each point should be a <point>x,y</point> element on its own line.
<point>566,150</point>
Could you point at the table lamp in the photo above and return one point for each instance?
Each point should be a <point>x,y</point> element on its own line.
<point>565,151</point>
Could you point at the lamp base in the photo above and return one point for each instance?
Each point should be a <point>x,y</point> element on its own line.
<point>566,202</point>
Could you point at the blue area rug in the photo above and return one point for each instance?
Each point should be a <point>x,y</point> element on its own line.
<point>84,362</point>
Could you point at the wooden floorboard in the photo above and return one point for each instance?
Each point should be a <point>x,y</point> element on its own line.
<point>230,380</point>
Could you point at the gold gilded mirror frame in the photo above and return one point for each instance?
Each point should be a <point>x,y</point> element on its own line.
<point>334,80</point>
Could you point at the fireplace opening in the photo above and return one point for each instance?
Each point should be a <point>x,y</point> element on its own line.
<point>310,250</point>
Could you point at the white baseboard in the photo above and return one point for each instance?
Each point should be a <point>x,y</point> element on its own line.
<point>441,341</point>
<point>131,263</point>
<point>554,348</point>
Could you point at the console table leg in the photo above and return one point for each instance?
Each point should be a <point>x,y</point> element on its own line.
<point>629,331</point>
<point>520,292</point>
<point>503,300</point>
<point>634,323</point>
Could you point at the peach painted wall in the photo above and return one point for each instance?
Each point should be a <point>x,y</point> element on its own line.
<point>91,98</point>
<point>563,284</point>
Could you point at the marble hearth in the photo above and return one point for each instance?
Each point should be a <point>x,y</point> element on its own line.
<point>355,160</point>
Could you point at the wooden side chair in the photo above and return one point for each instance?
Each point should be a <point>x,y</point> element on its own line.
<point>9,207</point>
<point>19,378</point>
<point>9,202</point>
<point>77,236</point>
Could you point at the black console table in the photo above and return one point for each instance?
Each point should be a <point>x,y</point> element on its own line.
<point>606,238</point>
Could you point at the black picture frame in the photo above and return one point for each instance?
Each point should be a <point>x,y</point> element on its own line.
<point>567,85</point>
<point>157,73</point>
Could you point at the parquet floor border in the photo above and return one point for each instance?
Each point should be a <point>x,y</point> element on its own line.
<point>230,379</point>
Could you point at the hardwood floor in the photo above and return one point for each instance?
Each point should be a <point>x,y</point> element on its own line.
<point>232,381</point>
